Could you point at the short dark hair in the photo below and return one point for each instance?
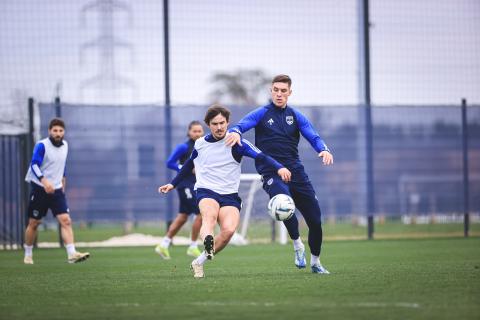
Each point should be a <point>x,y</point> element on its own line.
<point>56,122</point>
<point>282,78</point>
<point>215,110</point>
<point>194,123</point>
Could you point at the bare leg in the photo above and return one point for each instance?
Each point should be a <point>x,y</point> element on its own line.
<point>197,224</point>
<point>31,231</point>
<point>67,235</point>
<point>228,218</point>
<point>66,228</point>
<point>177,224</point>
<point>209,209</point>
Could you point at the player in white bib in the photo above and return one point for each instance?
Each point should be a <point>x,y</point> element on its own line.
<point>217,167</point>
<point>47,178</point>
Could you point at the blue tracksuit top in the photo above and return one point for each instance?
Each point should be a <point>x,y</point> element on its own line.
<point>277,134</point>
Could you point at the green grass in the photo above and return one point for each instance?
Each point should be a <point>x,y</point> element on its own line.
<point>262,230</point>
<point>382,279</point>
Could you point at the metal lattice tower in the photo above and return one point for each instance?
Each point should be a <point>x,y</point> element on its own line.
<point>107,82</point>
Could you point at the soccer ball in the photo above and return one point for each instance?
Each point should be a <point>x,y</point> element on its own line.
<point>281,207</point>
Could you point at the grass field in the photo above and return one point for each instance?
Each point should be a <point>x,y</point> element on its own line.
<point>262,230</point>
<point>382,279</point>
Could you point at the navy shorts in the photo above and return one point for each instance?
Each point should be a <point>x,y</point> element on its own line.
<point>188,200</point>
<point>231,199</point>
<point>40,202</point>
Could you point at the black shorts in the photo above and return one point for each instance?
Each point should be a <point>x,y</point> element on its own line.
<point>40,202</point>
<point>188,200</point>
<point>231,199</point>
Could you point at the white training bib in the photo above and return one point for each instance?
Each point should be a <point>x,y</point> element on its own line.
<point>215,167</point>
<point>53,165</point>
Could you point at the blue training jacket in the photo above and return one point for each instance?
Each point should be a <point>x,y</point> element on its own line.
<point>277,134</point>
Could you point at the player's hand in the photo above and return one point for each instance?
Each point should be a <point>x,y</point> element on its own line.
<point>327,157</point>
<point>285,174</point>
<point>232,139</point>
<point>166,188</point>
<point>48,186</point>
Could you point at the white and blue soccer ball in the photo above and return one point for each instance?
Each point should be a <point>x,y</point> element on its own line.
<point>281,207</point>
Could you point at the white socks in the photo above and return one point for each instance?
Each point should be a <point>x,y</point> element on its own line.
<point>70,249</point>
<point>193,244</point>
<point>28,250</point>
<point>166,242</point>
<point>297,244</point>
<point>201,258</point>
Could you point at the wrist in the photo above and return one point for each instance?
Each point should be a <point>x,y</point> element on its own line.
<point>235,130</point>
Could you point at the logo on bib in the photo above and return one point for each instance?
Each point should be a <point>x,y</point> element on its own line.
<point>270,181</point>
<point>289,120</point>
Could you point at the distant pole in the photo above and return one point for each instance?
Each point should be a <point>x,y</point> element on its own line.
<point>30,144</point>
<point>466,203</point>
<point>58,114</point>
<point>365,114</point>
<point>27,153</point>
<point>58,107</point>
<point>168,111</point>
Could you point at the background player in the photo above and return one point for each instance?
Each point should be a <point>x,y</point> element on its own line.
<point>47,177</point>
<point>186,194</point>
<point>218,172</point>
<point>277,133</point>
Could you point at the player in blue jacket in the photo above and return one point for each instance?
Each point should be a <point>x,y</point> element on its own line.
<point>277,133</point>
<point>186,195</point>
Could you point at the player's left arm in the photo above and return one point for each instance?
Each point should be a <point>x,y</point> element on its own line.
<point>308,132</point>
<point>249,150</point>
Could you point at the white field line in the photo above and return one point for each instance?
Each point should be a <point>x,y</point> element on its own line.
<point>408,305</point>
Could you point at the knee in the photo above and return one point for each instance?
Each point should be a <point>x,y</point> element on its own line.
<point>33,223</point>
<point>182,218</point>
<point>208,219</point>
<point>65,221</point>
<point>228,231</point>
<point>314,223</point>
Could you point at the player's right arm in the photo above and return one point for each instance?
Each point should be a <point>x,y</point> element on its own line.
<point>247,123</point>
<point>37,160</point>
<point>178,152</point>
<point>184,172</point>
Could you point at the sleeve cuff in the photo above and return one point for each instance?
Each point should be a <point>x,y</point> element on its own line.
<point>236,130</point>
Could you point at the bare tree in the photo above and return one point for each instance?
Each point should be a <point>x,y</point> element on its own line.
<point>241,87</point>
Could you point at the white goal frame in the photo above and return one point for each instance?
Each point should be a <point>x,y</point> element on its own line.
<point>255,185</point>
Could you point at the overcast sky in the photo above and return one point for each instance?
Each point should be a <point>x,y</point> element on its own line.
<point>423,52</point>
